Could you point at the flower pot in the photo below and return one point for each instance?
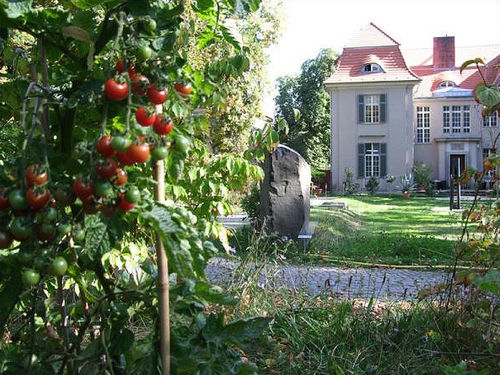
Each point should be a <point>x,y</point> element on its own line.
<point>406,194</point>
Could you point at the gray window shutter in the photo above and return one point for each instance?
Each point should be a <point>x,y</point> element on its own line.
<point>383,159</point>
<point>361,160</point>
<point>361,109</point>
<point>383,106</point>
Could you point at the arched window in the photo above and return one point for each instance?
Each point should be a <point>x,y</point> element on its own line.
<point>446,84</point>
<point>372,68</point>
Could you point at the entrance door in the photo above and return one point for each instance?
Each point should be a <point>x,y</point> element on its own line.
<point>457,165</point>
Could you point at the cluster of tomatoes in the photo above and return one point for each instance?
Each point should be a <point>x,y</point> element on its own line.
<point>36,209</point>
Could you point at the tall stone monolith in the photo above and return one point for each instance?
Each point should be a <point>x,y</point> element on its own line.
<point>285,192</point>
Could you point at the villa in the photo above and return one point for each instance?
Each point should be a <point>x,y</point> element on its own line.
<point>391,107</point>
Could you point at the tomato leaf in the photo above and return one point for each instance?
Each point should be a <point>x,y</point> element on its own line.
<point>487,95</point>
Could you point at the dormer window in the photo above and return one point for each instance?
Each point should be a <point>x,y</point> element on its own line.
<point>446,84</point>
<point>372,68</point>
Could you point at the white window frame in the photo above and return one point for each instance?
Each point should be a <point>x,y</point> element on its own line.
<point>423,124</point>
<point>446,118</point>
<point>372,160</point>
<point>456,119</point>
<point>466,118</point>
<point>371,109</point>
<point>491,121</point>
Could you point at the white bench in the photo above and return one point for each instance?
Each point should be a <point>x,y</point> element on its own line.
<point>306,234</point>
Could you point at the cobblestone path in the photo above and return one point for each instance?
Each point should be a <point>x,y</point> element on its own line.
<point>394,284</point>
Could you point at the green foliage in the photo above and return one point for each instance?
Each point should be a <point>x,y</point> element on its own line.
<point>310,132</point>
<point>422,174</point>
<point>251,203</point>
<point>349,186</point>
<point>372,185</point>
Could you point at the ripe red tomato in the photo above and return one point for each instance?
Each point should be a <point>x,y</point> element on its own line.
<point>140,84</point>
<point>124,159</point>
<point>163,125</point>
<point>89,207</point>
<point>5,240</point>
<point>124,205</point>
<point>184,90</point>
<point>83,188</point>
<point>104,146</point>
<point>138,153</point>
<point>143,118</point>
<point>106,168</point>
<point>115,91</point>
<point>120,68</point>
<point>4,200</point>
<point>36,175</point>
<point>120,178</point>
<point>37,198</point>
<point>157,96</point>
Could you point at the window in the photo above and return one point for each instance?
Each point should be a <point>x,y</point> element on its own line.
<point>372,109</point>
<point>466,118</point>
<point>487,152</point>
<point>490,120</point>
<point>455,119</point>
<point>446,84</point>
<point>446,119</point>
<point>423,124</point>
<point>372,68</point>
<point>372,160</point>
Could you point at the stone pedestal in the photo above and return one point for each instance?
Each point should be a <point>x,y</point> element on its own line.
<point>285,192</point>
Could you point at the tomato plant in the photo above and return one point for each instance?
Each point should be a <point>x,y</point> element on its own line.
<point>82,147</point>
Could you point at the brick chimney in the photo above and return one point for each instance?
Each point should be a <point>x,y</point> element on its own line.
<point>443,54</point>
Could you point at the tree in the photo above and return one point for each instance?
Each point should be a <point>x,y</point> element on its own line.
<point>309,132</point>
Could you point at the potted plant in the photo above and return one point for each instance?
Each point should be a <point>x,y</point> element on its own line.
<point>422,173</point>
<point>406,184</point>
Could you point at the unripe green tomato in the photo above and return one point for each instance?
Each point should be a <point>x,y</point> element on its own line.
<point>50,214</point>
<point>159,153</point>
<point>133,195</point>
<point>149,24</point>
<point>30,277</point>
<point>78,235</point>
<point>17,200</point>
<point>103,189</point>
<point>144,52</point>
<point>182,144</point>
<point>64,228</point>
<point>120,143</point>
<point>59,266</point>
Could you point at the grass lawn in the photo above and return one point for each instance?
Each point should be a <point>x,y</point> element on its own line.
<point>384,230</point>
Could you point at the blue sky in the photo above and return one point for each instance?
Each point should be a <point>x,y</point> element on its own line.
<point>310,25</point>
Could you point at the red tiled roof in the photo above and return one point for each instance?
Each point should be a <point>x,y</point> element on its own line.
<point>468,79</point>
<point>389,57</point>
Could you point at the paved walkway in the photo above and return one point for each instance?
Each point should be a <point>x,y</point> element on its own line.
<point>393,284</point>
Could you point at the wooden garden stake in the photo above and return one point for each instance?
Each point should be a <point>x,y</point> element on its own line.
<point>163,282</point>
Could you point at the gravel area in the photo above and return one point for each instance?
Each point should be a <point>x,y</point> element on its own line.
<point>394,284</point>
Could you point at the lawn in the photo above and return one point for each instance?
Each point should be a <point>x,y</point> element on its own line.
<point>385,230</point>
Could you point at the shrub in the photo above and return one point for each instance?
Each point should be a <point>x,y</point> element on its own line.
<point>372,185</point>
<point>251,203</point>
<point>349,186</point>
<point>422,173</point>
